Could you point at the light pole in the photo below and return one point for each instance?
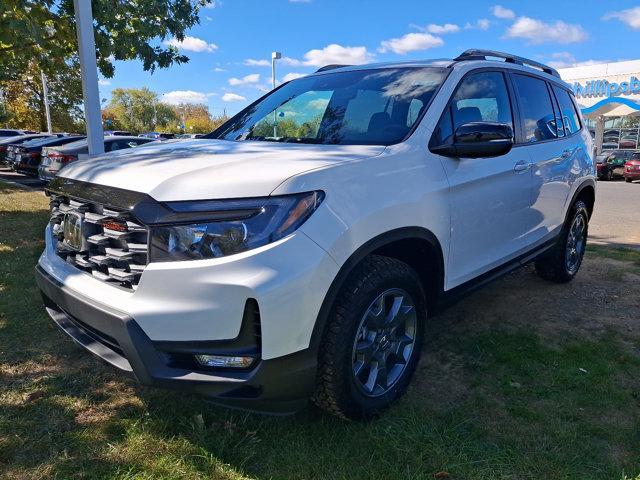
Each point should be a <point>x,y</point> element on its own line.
<point>89,73</point>
<point>274,56</point>
<point>45,96</point>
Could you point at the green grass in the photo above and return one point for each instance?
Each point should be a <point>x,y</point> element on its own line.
<point>509,404</point>
<point>621,254</point>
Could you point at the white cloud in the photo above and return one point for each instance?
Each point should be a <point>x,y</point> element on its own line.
<point>483,24</point>
<point>232,97</point>
<point>338,54</point>
<point>480,24</point>
<point>256,63</point>
<point>292,62</point>
<point>184,96</point>
<point>192,44</point>
<point>567,60</point>
<point>103,82</point>
<point>246,80</point>
<point>536,31</point>
<point>410,43</point>
<point>441,29</point>
<point>218,69</point>
<point>318,104</point>
<point>292,76</point>
<point>630,16</point>
<point>499,11</point>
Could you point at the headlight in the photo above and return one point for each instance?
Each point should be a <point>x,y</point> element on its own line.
<point>225,227</point>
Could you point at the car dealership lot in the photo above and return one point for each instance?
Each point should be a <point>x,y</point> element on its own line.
<point>524,379</point>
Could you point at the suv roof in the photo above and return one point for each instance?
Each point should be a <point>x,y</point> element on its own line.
<point>472,55</point>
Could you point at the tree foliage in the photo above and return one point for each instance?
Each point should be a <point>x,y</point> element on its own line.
<point>24,99</point>
<point>44,31</point>
<point>140,110</point>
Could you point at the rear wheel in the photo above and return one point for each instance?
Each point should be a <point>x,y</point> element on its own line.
<point>627,179</point>
<point>372,341</point>
<point>563,262</point>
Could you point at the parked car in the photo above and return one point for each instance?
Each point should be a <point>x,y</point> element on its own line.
<point>613,166</point>
<point>117,133</point>
<point>55,159</point>
<point>158,136</point>
<point>632,168</point>
<point>265,265</point>
<point>28,156</point>
<point>183,136</point>
<point>600,159</point>
<point>10,132</point>
<point>7,145</point>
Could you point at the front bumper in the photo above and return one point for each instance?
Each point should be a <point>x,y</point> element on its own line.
<point>278,385</point>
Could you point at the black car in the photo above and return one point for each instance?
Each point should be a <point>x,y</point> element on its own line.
<point>7,144</point>
<point>27,156</point>
<point>13,132</point>
<point>613,166</point>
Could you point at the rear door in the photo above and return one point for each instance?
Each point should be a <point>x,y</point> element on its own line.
<point>490,197</point>
<point>552,152</point>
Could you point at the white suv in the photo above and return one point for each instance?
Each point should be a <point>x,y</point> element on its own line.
<point>297,251</point>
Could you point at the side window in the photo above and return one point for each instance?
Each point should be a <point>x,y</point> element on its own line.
<point>444,130</point>
<point>415,107</point>
<point>481,97</point>
<point>570,117</point>
<point>536,107</point>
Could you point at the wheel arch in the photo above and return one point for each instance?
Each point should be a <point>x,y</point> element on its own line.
<point>586,192</point>
<point>416,246</point>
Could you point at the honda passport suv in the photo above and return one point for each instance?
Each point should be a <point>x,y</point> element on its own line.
<point>297,251</point>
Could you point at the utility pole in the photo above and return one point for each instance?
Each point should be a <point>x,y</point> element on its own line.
<point>89,73</point>
<point>45,96</point>
<point>274,56</point>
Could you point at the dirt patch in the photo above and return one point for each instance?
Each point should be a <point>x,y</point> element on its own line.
<point>605,296</point>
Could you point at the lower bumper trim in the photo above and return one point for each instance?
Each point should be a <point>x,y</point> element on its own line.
<point>279,386</point>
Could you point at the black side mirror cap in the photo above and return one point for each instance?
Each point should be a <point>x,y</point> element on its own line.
<point>478,140</point>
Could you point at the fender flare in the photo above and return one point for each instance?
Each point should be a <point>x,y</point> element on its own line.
<point>391,236</point>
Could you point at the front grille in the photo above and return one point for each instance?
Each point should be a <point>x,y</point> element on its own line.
<point>113,246</point>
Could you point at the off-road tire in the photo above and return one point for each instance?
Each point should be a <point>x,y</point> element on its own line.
<point>336,390</point>
<point>553,265</point>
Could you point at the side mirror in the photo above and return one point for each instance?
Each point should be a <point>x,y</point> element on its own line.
<point>478,140</point>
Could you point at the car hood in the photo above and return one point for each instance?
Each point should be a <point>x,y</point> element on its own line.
<point>204,169</point>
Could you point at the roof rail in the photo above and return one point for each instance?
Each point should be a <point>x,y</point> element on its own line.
<point>331,67</point>
<point>479,54</point>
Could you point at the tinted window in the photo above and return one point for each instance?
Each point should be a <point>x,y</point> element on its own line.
<point>570,118</point>
<point>481,97</point>
<point>370,107</point>
<point>536,107</point>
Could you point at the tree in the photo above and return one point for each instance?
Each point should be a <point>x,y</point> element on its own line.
<point>24,99</point>
<point>44,31</point>
<point>138,110</point>
<point>197,118</point>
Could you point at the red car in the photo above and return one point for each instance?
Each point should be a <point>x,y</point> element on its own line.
<point>632,168</point>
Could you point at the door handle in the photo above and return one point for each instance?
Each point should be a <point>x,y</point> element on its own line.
<point>521,166</point>
<point>567,153</point>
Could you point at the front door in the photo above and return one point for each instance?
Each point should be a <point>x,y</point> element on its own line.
<point>490,197</point>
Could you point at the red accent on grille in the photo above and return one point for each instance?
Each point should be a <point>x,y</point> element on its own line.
<point>118,227</point>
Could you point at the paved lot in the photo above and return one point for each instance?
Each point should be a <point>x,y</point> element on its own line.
<point>616,217</point>
<point>615,222</point>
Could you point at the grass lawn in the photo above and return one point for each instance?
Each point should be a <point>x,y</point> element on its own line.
<point>522,380</point>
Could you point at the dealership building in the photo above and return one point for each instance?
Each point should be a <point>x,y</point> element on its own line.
<point>609,96</point>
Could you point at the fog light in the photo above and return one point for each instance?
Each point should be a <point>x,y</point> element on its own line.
<point>224,361</point>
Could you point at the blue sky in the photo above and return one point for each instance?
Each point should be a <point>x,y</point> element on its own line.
<point>230,50</point>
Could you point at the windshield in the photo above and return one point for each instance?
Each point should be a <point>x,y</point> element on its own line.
<point>363,107</point>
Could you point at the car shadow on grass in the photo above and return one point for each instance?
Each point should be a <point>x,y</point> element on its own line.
<point>523,379</point>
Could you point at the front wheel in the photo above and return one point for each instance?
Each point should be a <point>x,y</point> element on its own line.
<point>373,339</point>
<point>627,179</point>
<point>563,262</point>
